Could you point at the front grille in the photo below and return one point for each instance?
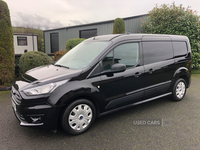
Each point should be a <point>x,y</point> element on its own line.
<point>16,96</point>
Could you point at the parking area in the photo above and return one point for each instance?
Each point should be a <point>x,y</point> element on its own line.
<point>120,130</point>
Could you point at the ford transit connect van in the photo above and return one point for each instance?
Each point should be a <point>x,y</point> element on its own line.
<point>101,75</point>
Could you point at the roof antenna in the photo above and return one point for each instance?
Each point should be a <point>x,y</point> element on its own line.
<point>95,36</point>
<point>96,32</point>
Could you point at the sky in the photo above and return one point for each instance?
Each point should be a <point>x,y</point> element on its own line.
<point>51,14</point>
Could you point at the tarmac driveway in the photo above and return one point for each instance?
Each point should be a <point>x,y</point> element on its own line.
<point>157,125</point>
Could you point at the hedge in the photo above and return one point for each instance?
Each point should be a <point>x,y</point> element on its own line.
<point>7,56</point>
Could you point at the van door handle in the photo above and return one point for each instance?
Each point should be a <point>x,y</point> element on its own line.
<point>151,71</point>
<point>137,74</point>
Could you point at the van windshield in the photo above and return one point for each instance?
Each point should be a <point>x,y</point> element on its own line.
<point>82,55</point>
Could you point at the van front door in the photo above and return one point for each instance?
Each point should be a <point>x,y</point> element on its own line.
<point>119,89</point>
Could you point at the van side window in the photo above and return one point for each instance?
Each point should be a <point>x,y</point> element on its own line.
<point>157,51</point>
<point>127,54</point>
<point>180,49</point>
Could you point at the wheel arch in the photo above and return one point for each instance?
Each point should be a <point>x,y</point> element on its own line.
<point>83,96</point>
<point>184,73</point>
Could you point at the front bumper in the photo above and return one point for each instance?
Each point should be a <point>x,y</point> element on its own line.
<point>42,115</point>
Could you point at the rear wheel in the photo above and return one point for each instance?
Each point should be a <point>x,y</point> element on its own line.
<point>78,116</point>
<point>179,90</point>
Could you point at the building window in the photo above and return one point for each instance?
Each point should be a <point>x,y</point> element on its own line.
<point>87,33</point>
<point>54,37</point>
<point>22,41</point>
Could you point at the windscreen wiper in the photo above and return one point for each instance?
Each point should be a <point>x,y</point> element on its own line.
<point>62,66</point>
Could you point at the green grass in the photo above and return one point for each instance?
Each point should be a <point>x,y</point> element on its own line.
<point>196,71</point>
<point>5,95</point>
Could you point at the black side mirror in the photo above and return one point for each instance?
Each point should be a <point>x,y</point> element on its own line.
<point>118,68</point>
<point>114,69</point>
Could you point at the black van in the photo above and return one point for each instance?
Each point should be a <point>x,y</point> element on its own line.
<point>101,75</point>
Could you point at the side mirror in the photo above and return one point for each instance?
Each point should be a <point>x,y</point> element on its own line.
<point>114,69</point>
<point>118,68</point>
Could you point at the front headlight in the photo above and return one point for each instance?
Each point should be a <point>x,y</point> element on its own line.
<point>44,89</point>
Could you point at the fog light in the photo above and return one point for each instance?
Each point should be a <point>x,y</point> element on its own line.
<point>36,118</point>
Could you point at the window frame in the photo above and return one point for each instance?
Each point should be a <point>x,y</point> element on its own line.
<point>22,38</point>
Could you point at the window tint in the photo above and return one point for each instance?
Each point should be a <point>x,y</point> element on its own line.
<point>180,49</point>
<point>127,54</point>
<point>157,51</point>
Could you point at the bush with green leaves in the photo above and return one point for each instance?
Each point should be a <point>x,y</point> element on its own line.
<point>177,20</point>
<point>32,60</point>
<point>7,56</point>
<point>118,26</point>
<point>73,42</point>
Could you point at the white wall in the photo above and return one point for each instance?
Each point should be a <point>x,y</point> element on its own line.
<point>32,43</point>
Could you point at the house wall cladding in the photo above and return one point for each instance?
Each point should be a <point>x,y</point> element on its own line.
<point>132,25</point>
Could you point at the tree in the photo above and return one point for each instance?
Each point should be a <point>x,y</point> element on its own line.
<point>177,20</point>
<point>118,26</point>
<point>71,43</point>
<point>6,46</point>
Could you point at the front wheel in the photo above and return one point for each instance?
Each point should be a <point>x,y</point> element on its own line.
<point>78,116</point>
<point>179,90</point>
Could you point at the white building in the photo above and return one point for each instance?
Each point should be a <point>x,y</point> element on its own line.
<point>25,43</point>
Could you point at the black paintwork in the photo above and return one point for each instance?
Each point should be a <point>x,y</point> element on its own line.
<point>108,90</point>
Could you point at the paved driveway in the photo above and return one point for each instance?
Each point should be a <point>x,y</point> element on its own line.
<point>118,130</point>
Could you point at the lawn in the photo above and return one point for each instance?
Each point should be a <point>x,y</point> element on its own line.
<point>196,71</point>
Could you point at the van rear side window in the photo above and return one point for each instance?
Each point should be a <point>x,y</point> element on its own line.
<point>157,51</point>
<point>180,49</point>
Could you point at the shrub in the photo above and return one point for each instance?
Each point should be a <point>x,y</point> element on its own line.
<point>7,70</point>
<point>73,42</point>
<point>179,21</point>
<point>33,59</point>
<point>118,26</point>
<point>59,54</point>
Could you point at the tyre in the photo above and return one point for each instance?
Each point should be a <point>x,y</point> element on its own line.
<point>78,116</point>
<point>179,90</point>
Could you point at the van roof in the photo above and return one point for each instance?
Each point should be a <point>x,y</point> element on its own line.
<point>143,37</point>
